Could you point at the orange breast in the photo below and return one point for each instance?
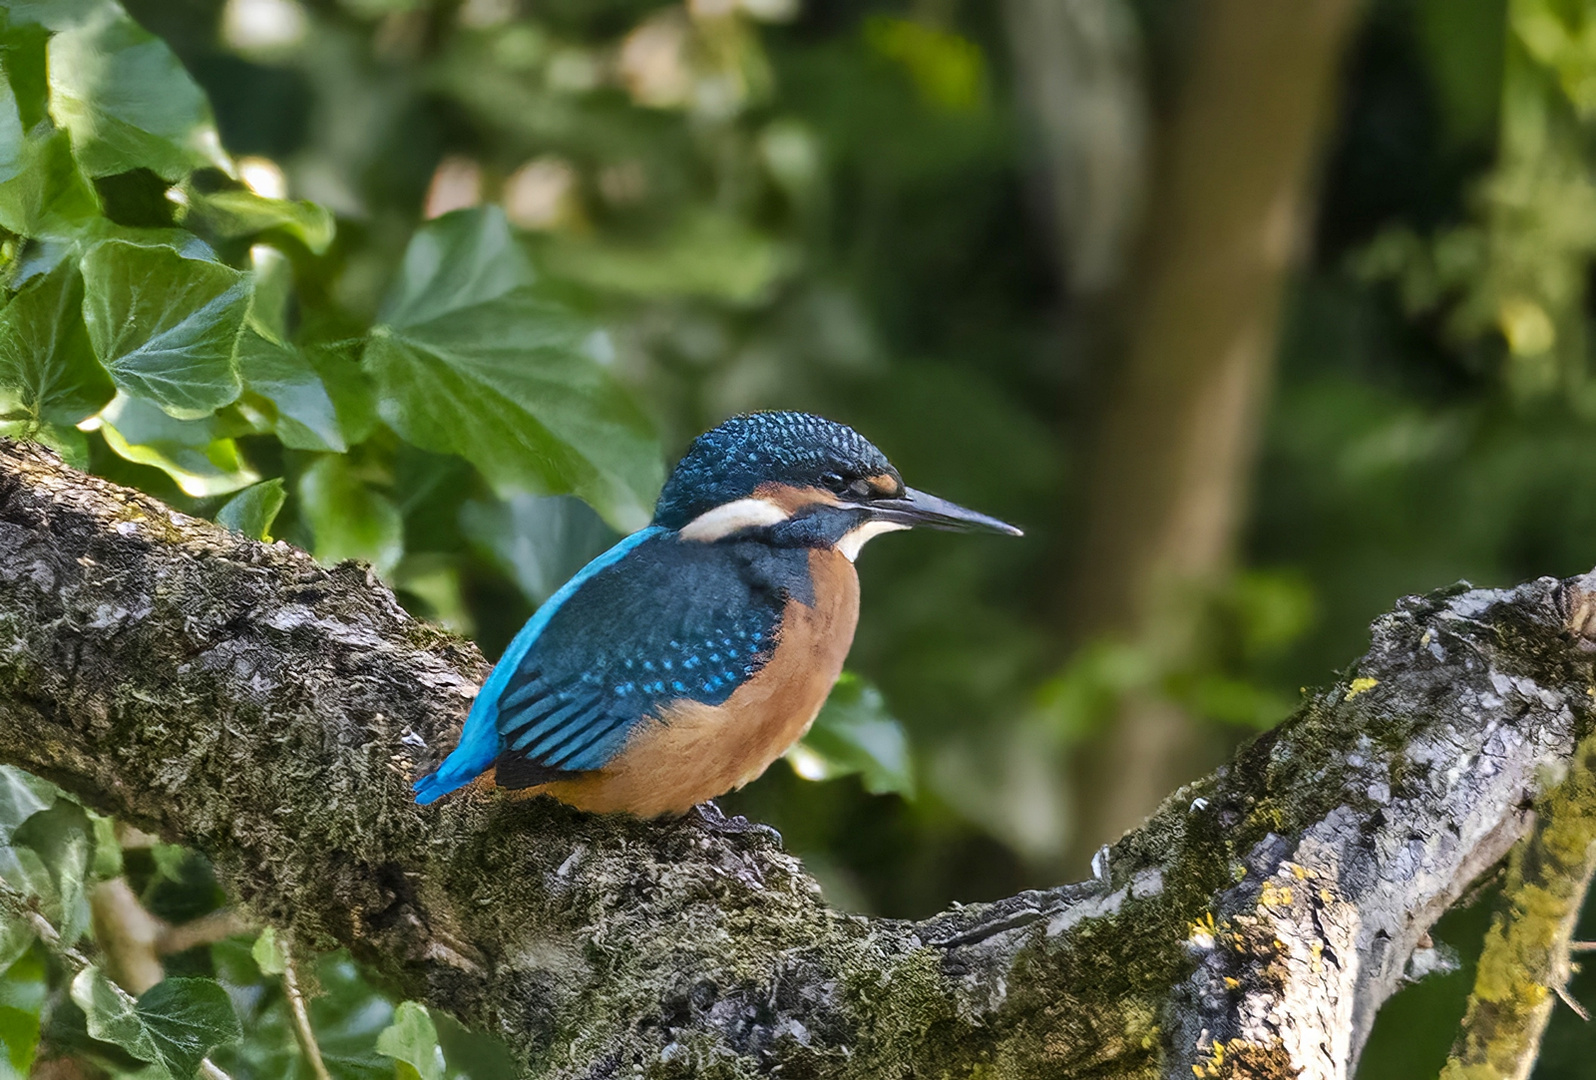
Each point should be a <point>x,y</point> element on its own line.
<point>693,752</point>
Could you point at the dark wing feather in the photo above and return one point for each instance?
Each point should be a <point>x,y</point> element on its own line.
<point>674,620</point>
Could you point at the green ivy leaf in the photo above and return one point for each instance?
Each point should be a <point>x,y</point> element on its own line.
<point>854,733</point>
<point>166,327</point>
<point>347,518</point>
<point>187,1019</point>
<point>540,541</point>
<point>47,367</point>
<point>199,454</point>
<point>54,14</point>
<point>471,358</point>
<point>241,213</point>
<point>127,101</point>
<point>48,196</point>
<point>267,952</point>
<point>12,133</point>
<point>70,443</point>
<point>173,1025</point>
<point>412,1041</point>
<point>21,796</point>
<point>704,254</point>
<point>63,839</point>
<point>349,387</point>
<point>24,988</point>
<point>306,418</point>
<point>253,510</point>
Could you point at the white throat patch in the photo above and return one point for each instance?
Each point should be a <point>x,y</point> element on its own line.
<point>732,517</point>
<point>855,538</point>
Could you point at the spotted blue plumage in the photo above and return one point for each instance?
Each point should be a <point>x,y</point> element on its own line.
<point>479,739</point>
<point>652,621</point>
<point>730,461</point>
<point>674,621</point>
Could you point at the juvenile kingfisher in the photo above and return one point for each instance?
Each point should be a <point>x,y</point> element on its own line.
<point>680,663</point>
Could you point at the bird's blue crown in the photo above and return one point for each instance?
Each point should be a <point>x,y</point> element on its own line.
<point>730,461</point>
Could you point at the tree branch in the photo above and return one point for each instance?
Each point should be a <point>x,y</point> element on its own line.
<point>240,698</point>
<point>1525,965</point>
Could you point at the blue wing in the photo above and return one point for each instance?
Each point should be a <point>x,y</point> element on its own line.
<point>660,621</point>
<point>479,739</point>
<point>675,620</point>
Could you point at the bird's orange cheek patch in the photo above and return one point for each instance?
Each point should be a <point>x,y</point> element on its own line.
<point>792,498</point>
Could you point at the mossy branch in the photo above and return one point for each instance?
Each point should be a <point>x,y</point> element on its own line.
<point>271,712</point>
<point>1525,963</point>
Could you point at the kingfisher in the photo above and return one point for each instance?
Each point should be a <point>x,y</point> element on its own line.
<point>684,660</point>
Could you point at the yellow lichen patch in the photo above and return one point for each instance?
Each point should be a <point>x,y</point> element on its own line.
<point>1245,1058</point>
<point>1202,931</point>
<point>1526,949</point>
<point>1359,685</point>
<point>1275,895</point>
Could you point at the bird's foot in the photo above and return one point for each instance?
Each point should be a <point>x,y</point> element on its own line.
<point>712,819</point>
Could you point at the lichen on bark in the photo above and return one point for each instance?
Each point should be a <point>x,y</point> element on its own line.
<point>272,712</point>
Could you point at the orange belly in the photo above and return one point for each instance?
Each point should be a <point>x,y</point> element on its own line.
<point>692,752</point>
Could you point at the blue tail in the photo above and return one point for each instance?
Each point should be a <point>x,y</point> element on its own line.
<point>479,739</point>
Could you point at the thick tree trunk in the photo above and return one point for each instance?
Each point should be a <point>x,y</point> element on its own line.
<point>240,698</point>
<point>1172,462</point>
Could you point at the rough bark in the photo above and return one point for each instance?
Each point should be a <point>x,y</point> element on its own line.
<point>1171,464</point>
<point>242,699</point>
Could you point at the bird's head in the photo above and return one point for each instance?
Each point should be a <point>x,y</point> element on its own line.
<point>804,477</point>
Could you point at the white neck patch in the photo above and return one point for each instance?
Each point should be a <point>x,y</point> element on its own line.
<point>855,538</point>
<point>732,517</point>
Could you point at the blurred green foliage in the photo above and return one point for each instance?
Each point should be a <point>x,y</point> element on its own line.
<point>444,284</point>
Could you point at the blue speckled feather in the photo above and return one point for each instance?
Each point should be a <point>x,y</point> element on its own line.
<point>655,619</point>
<point>479,739</point>
<point>675,620</point>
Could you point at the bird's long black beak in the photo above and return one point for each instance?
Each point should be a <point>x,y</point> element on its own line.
<point>919,509</point>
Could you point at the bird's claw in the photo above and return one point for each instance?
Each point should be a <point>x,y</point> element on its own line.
<point>712,819</point>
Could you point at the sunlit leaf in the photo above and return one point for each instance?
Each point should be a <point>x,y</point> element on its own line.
<point>267,953</point>
<point>412,1041</point>
<point>200,455</point>
<point>854,733</point>
<point>166,327</point>
<point>24,988</point>
<point>253,510</point>
<point>127,101</point>
<point>69,442</point>
<point>470,357</point>
<point>12,160</point>
<point>16,938</point>
<point>47,367</point>
<point>107,862</point>
<point>21,796</point>
<point>347,518</point>
<point>23,869</point>
<point>306,418</point>
<point>243,213</point>
<point>55,14</point>
<point>48,196</point>
<point>63,839</point>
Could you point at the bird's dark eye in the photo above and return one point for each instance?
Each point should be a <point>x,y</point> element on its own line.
<point>834,482</point>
